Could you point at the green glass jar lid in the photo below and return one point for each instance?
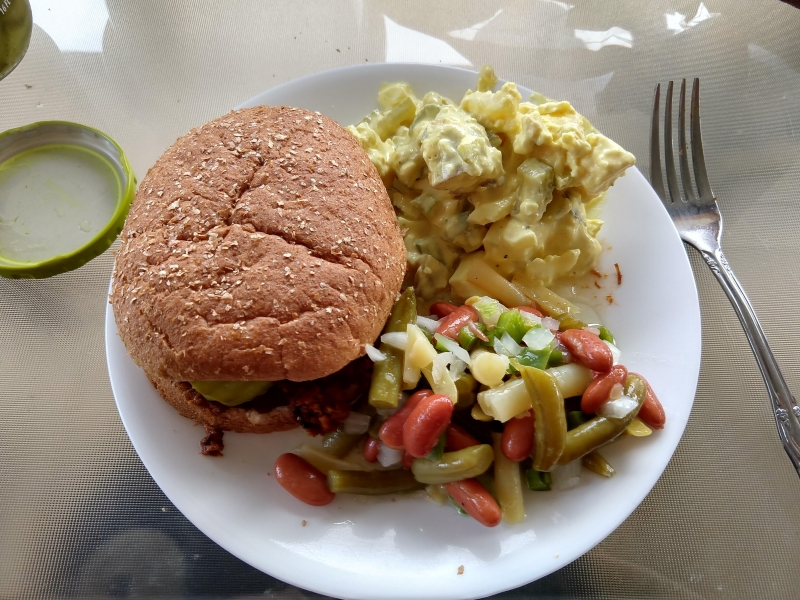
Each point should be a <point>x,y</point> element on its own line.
<point>65,190</point>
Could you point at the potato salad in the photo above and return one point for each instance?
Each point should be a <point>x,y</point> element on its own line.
<point>497,196</point>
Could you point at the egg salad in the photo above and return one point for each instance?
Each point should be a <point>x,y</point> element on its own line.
<point>496,196</point>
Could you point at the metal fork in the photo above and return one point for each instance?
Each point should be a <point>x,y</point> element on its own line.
<point>699,223</point>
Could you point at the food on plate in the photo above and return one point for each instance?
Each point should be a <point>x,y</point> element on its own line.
<point>485,381</point>
<point>507,399</point>
<point>494,194</point>
<point>260,255</point>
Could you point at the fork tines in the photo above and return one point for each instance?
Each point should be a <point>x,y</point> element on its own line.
<point>704,195</point>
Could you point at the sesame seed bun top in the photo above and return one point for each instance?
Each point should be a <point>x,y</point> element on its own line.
<point>260,246</point>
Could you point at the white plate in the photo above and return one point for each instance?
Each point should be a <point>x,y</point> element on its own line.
<point>412,548</point>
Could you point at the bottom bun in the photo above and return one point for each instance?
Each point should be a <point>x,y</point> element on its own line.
<point>254,417</point>
<point>318,405</point>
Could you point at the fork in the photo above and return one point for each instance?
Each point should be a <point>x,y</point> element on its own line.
<point>699,223</point>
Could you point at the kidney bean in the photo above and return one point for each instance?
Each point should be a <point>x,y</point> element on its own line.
<point>371,449</point>
<point>588,349</point>
<point>470,495</point>
<point>458,438</point>
<point>426,423</point>
<point>599,389</point>
<point>456,320</point>
<point>530,309</point>
<point>442,309</point>
<point>408,460</point>
<point>517,440</point>
<point>302,480</point>
<point>652,412</point>
<point>391,432</point>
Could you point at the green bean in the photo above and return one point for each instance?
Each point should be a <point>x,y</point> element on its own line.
<point>567,321</point>
<point>508,483</point>
<point>601,430</point>
<point>454,466</point>
<point>466,386</point>
<point>372,483</point>
<point>325,462</point>
<point>387,375</point>
<point>548,411</point>
<point>538,481</point>
<point>338,443</point>
<point>595,462</point>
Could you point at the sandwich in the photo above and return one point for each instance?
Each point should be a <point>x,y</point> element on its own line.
<point>261,254</point>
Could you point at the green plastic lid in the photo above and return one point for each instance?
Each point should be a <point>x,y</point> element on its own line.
<point>65,190</point>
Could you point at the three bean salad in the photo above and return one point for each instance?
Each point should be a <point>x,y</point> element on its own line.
<point>473,404</point>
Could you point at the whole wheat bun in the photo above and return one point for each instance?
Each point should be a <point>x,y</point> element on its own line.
<point>260,246</point>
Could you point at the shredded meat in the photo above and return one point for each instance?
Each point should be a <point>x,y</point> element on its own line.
<point>212,444</point>
<point>320,405</point>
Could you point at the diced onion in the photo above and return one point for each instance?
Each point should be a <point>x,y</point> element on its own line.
<point>538,338</point>
<point>530,319</point>
<point>566,477</point>
<point>591,329</point>
<point>615,353</point>
<point>427,323</point>
<point>396,339</point>
<point>356,423</point>
<point>452,346</point>
<point>389,456</point>
<point>550,323</point>
<point>374,354</point>
<point>457,368</point>
<point>511,346</point>
<point>619,408</point>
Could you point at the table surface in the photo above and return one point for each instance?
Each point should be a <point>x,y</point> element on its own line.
<point>79,514</point>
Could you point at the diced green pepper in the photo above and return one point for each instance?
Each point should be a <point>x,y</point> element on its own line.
<point>467,339</point>
<point>534,358</point>
<point>439,346</point>
<point>538,481</point>
<point>512,323</point>
<point>438,449</point>
<point>605,335</point>
<point>556,358</point>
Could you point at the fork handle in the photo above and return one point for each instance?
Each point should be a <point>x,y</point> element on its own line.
<point>784,405</point>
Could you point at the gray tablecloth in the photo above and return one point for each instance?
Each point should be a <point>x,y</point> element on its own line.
<point>79,514</point>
